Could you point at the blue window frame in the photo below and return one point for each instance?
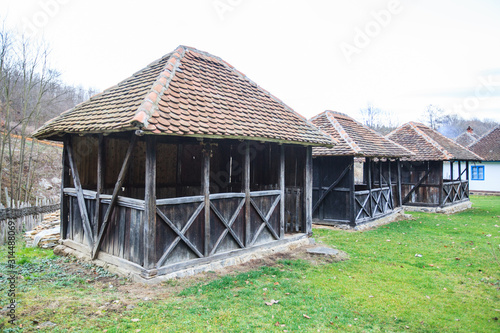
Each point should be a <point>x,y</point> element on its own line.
<point>477,172</point>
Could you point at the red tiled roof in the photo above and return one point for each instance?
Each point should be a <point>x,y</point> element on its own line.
<point>488,146</point>
<point>466,139</point>
<point>429,145</point>
<point>190,93</point>
<point>354,138</point>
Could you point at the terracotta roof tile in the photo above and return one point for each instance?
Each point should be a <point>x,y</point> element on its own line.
<point>488,146</point>
<point>188,92</point>
<point>354,138</point>
<point>429,145</point>
<point>466,139</point>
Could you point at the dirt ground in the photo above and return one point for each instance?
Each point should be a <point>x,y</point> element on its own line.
<point>127,293</point>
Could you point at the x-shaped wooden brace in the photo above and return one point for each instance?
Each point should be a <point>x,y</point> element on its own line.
<point>228,225</point>
<point>447,192</point>
<point>457,191</point>
<point>362,206</point>
<point>378,204</point>
<point>465,187</point>
<point>388,201</point>
<point>180,233</point>
<point>265,219</point>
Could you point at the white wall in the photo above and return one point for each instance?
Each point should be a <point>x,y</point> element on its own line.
<point>491,180</point>
<point>447,170</point>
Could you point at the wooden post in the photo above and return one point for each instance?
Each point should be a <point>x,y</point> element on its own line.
<point>467,177</point>
<point>307,227</point>
<point>369,160</point>
<point>451,170</point>
<point>389,174</point>
<point>64,184</point>
<point>100,184</point>
<point>282,189</point>
<point>205,179</point>
<point>246,187</point>
<point>441,186</point>
<point>459,171</point>
<point>352,195</point>
<point>149,221</point>
<point>398,166</point>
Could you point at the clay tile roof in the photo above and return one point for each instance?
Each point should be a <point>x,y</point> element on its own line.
<point>488,146</point>
<point>354,138</point>
<point>190,93</point>
<point>466,139</point>
<point>429,144</point>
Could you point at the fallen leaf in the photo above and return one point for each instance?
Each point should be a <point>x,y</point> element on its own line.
<point>134,320</point>
<point>271,302</point>
<point>306,316</point>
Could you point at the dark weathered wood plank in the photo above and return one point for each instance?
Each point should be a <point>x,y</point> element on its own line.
<point>416,186</point>
<point>246,187</point>
<point>308,192</point>
<point>118,185</point>
<point>331,187</point>
<point>79,196</point>
<point>64,184</point>
<point>100,184</point>
<point>282,191</point>
<point>149,220</point>
<point>205,178</point>
<point>398,168</point>
<point>352,197</point>
<point>369,183</point>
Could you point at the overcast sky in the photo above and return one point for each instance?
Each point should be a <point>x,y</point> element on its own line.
<point>314,55</point>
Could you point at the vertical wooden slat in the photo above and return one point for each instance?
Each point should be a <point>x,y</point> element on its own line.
<point>246,186</point>
<point>79,194</point>
<point>352,195</point>
<point>467,177</point>
<point>114,197</point>
<point>398,168</point>
<point>64,183</point>
<point>459,171</point>
<point>391,196</point>
<point>307,227</point>
<point>282,189</point>
<point>149,219</point>
<point>205,179</point>
<point>100,184</point>
<point>451,170</point>
<point>370,201</point>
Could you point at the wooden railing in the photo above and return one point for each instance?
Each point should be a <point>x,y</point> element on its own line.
<point>182,232</point>
<point>455,191</point>
<point>374,203</point>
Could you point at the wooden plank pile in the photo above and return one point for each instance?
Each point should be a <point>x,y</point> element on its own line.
<point>46,234</point>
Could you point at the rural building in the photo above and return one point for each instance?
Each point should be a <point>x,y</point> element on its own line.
<point>485,176</point>
<point>185,162</point>
<point>423,180</point>
<point>467,138</point>
<point>337,198</point>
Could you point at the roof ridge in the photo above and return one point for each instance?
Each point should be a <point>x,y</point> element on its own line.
<point>343,133</point>
<point>446,154</point>
<point>150,103</point>
<point>485,135</point>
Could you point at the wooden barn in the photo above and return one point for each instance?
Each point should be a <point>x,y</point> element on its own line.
<point>337,197</point>
<point>438,174</point>
<point>185,162</point>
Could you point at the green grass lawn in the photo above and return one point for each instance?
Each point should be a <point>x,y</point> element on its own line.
<point>452,287</point>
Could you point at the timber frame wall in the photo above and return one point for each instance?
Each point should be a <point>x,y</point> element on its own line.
<point>155,204</point>
<point>337,199</point>
<point>423,184</point>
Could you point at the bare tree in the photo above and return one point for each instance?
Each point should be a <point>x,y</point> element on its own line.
<point>378,119</point>
<point>434,116</point>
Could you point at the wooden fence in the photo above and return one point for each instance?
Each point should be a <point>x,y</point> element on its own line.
<point>26,216</point>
